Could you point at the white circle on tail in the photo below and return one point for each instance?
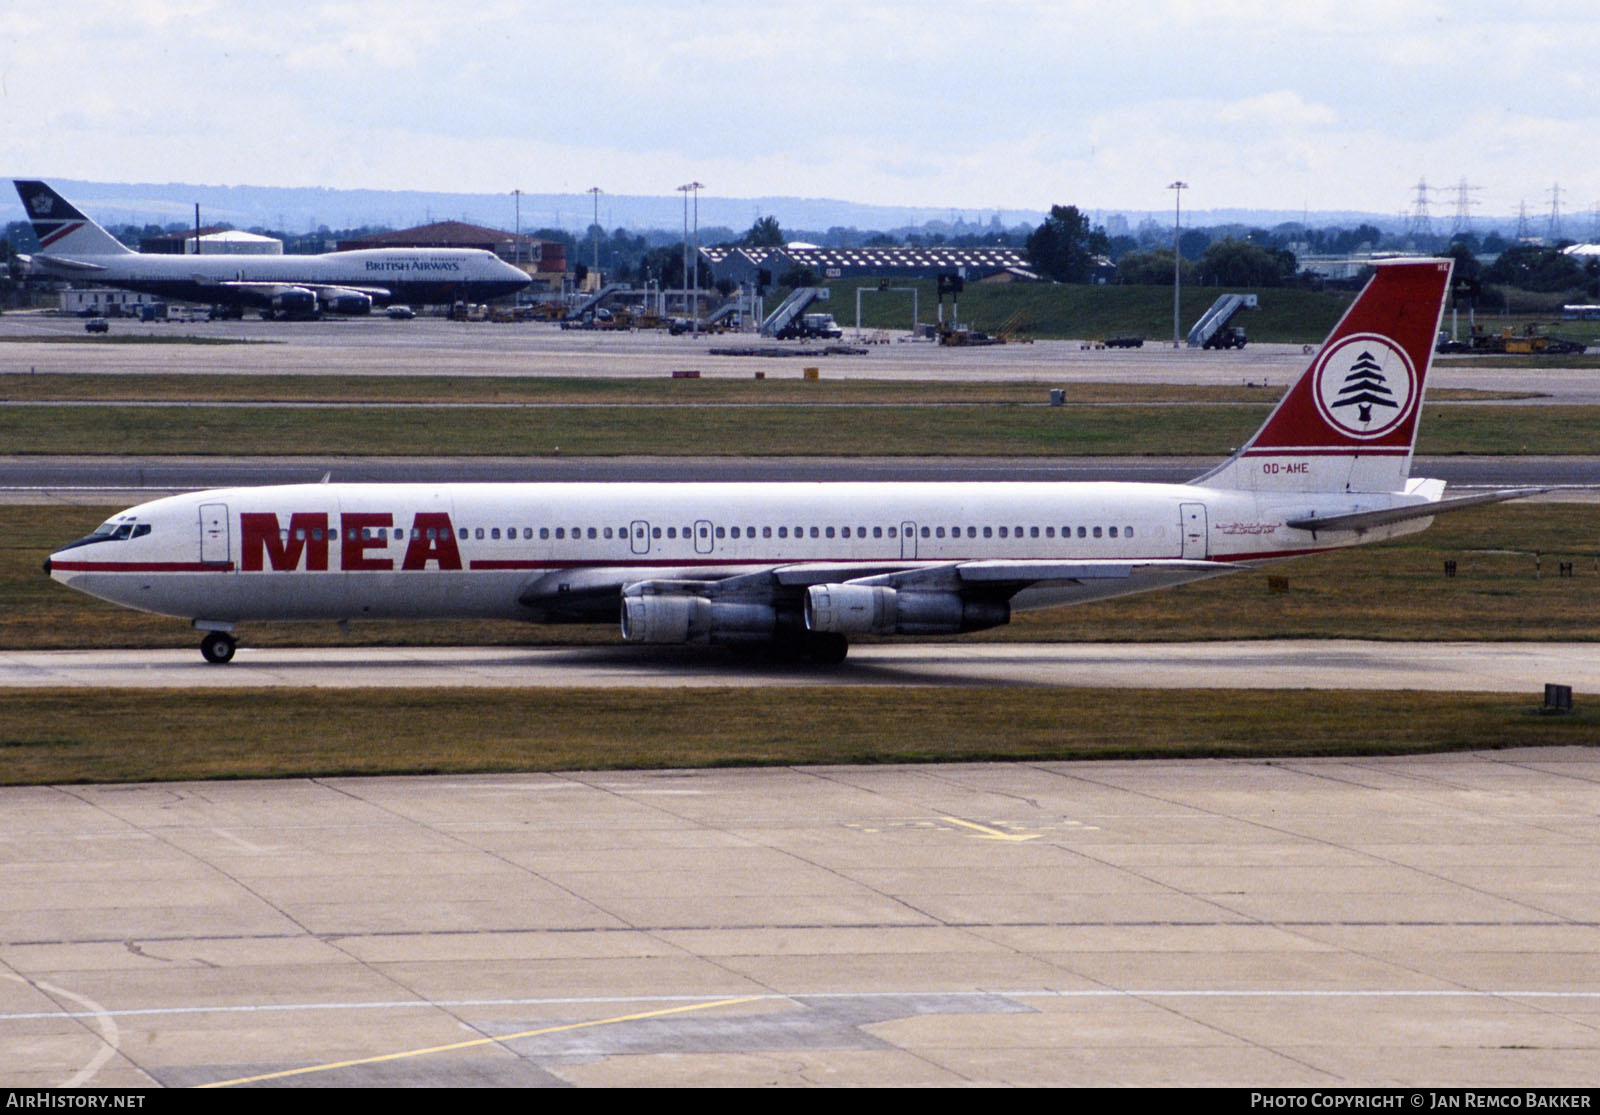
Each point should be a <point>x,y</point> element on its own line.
<point>1365,386</point>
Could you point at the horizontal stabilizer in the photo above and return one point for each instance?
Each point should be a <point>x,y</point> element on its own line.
<point>62,263</point>
<point>1366,520</point>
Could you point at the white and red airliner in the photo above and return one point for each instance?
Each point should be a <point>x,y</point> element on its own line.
<point>806,565</point>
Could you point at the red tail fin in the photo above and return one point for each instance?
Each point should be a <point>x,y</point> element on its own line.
<point>1350,422</point>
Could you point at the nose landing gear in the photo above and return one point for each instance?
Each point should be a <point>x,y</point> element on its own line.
<point>217,647</point>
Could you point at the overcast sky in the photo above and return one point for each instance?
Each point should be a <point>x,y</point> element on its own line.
<point>1018,104</point>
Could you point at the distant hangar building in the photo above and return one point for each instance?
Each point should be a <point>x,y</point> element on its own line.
<point>545,261</point>
<point>743,265</point>
<point>212,241</point>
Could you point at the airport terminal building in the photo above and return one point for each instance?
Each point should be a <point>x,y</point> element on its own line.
<point>745,265</point>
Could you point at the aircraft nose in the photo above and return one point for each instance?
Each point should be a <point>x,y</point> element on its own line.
<point>47,567</point>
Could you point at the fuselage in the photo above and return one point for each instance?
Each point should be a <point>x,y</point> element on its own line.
<point>563,552</point>
<point>415,275</point>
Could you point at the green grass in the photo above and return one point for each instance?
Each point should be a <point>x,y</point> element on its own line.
<point>784,389</point>
<point>790,389</point>
<point>57,736</point>
<point>1001,429</point>
<point>1072,310</point>
<point>780,389</point>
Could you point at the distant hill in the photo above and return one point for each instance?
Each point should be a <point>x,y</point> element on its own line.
<point>293,209</point>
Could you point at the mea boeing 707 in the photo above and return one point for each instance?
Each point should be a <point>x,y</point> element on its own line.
<point>73,247</point>
<point>803,566</point>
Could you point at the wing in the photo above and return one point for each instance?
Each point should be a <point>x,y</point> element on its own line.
<point>845,598</point>
<point>1043,584</point>
<point>268,291</point>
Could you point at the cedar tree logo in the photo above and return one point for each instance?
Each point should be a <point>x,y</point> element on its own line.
<point>1365,386</point>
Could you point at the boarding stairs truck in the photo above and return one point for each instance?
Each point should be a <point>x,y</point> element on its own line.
<point>585,310</point>
<point>1213,331</point>
<point>788,320</point>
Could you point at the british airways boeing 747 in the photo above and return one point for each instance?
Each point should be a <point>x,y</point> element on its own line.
<point>73,247</point>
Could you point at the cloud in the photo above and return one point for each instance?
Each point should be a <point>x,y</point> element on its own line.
<point>1012,103</point>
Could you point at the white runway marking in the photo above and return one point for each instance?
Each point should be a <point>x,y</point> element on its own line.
<point>110,1035</point>
<point>608,1000</point>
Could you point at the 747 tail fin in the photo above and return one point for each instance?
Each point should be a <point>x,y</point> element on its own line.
<point>61,229</point>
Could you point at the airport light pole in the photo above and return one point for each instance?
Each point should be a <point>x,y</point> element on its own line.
<point>516,244</point>
<point>694,256</point>
<point>684,190</point>
<point>595,230</point>
<point>691,256</point>
<point>1177,189</point>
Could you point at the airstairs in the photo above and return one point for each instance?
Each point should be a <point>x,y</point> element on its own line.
<point>790,310</point>
<point>727,310</point>
<point>589,305</point>
<point>1216,319</point>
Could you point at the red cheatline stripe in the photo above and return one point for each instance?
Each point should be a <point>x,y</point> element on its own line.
<point>139,567</point>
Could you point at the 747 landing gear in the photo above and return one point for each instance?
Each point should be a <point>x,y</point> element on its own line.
<point>217,647</point>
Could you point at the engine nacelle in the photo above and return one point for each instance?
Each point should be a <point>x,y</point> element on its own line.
<point>659,618</point>
<point>348,302</point>
<point>295,303</point>
<point>878,610</point>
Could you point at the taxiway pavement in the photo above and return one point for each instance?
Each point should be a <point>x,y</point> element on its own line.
<point>1294,923</point>
<point>1254,664</point>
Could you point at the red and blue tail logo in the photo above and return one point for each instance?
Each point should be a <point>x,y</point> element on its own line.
<point>60,226</point>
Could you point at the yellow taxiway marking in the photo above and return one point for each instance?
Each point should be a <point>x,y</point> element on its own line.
<point>989,833</point>
<point>481,1041</point>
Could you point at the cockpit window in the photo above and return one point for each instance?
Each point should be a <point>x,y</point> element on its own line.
<point>118,529</point>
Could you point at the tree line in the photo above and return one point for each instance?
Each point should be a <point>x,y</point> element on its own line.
<point>1066,247</point>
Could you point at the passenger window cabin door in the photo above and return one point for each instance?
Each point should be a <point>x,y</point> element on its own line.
<point>908,540</point>
<point>214,545</point>
<point>702,536</point>
<point>639,536</point>
<point>1193,528</point>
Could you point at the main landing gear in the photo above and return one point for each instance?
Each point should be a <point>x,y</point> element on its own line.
<point>820,648</point>
<point>826,648</point>
<point>217,647</point>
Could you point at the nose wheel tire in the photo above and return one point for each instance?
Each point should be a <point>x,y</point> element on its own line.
<point>217,648</point>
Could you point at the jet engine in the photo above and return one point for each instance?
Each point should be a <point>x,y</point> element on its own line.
<point>341,300</point>
<point>660,618</point>
<point>294,304</point>
<point>860,609</point>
